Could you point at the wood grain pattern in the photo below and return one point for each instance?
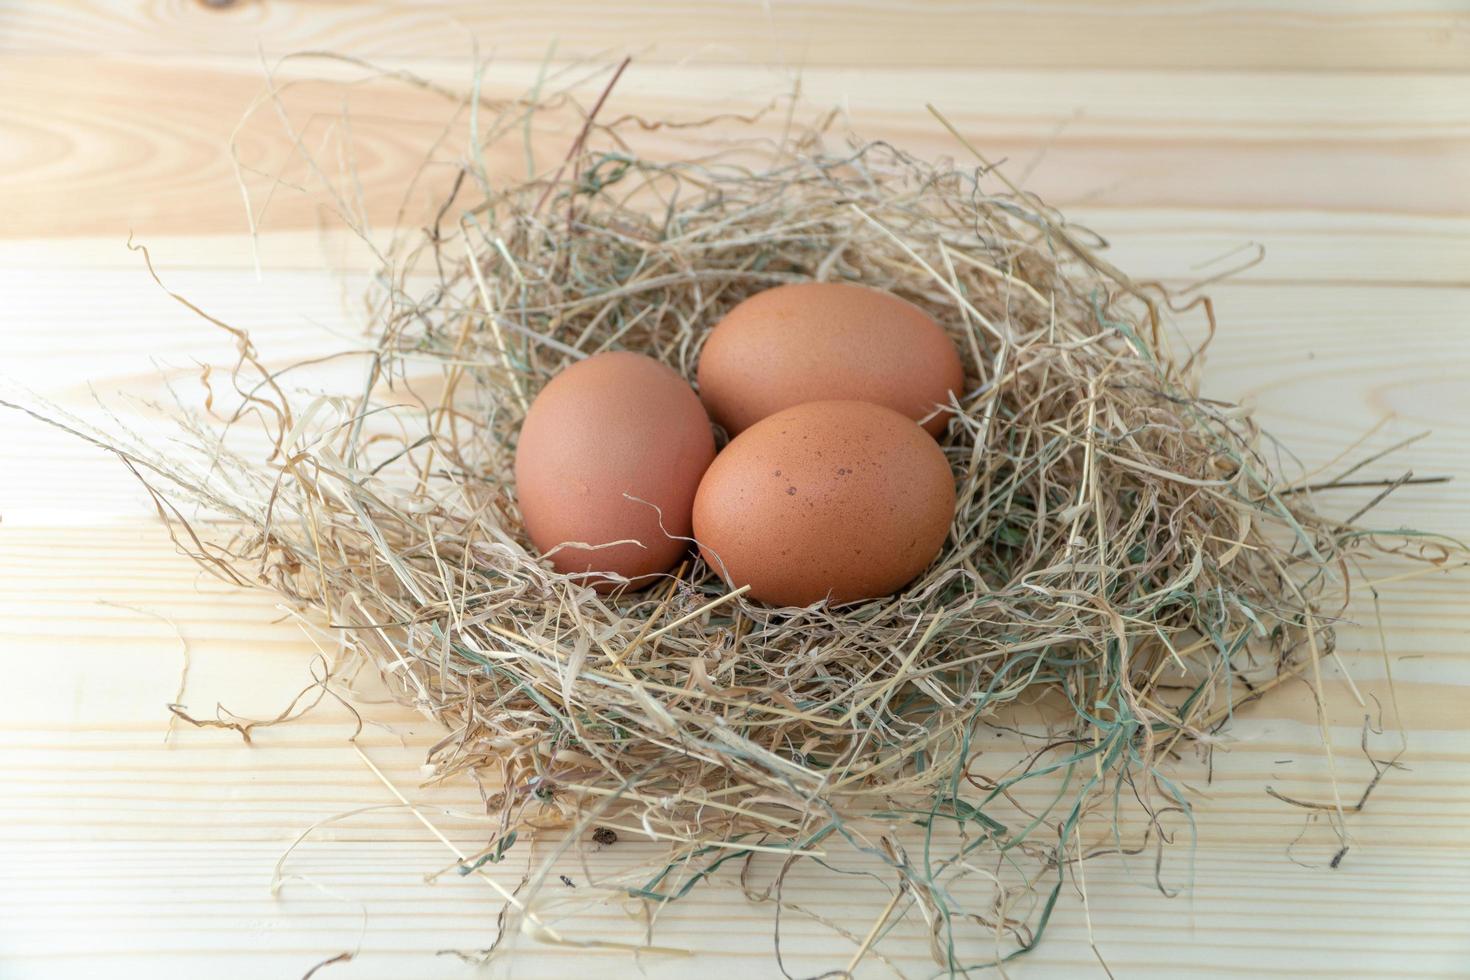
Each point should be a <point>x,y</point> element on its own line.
<point>1324,362</point>
<point>1176,244</point>
<point>1337,135</point>
<point>167,849</point>
<point>137,144</point>
<point>1367,35</point>
<point>1256,916</point>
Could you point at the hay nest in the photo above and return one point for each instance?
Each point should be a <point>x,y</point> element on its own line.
<point>1123,550</point>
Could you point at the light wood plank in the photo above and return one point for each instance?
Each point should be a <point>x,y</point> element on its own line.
<point>1336,134</point>
<point>108,145</point>
<point>1180,245</point>
<point>1240,908</point>
<point>1323,363</point>
<point>1241,911</point>
<point>165,850</point>
<point>1367,35</point>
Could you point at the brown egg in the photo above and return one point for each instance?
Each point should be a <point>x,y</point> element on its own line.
<point>614,426</point>
<point>838,499</point>
<point>820,341</point>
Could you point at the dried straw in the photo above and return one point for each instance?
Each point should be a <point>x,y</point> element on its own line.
<point>1123,550</point>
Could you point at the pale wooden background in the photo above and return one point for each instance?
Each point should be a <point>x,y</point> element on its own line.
<point>1337,134</point>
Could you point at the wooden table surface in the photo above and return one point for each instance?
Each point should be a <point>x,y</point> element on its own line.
<point>1337,134</point>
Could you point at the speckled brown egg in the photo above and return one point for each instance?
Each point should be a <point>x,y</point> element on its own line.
<point>615,426</point>
<point>836,500</point>
<point>820,341</point>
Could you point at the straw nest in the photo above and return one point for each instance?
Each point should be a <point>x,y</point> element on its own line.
<point>1124,551</point>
